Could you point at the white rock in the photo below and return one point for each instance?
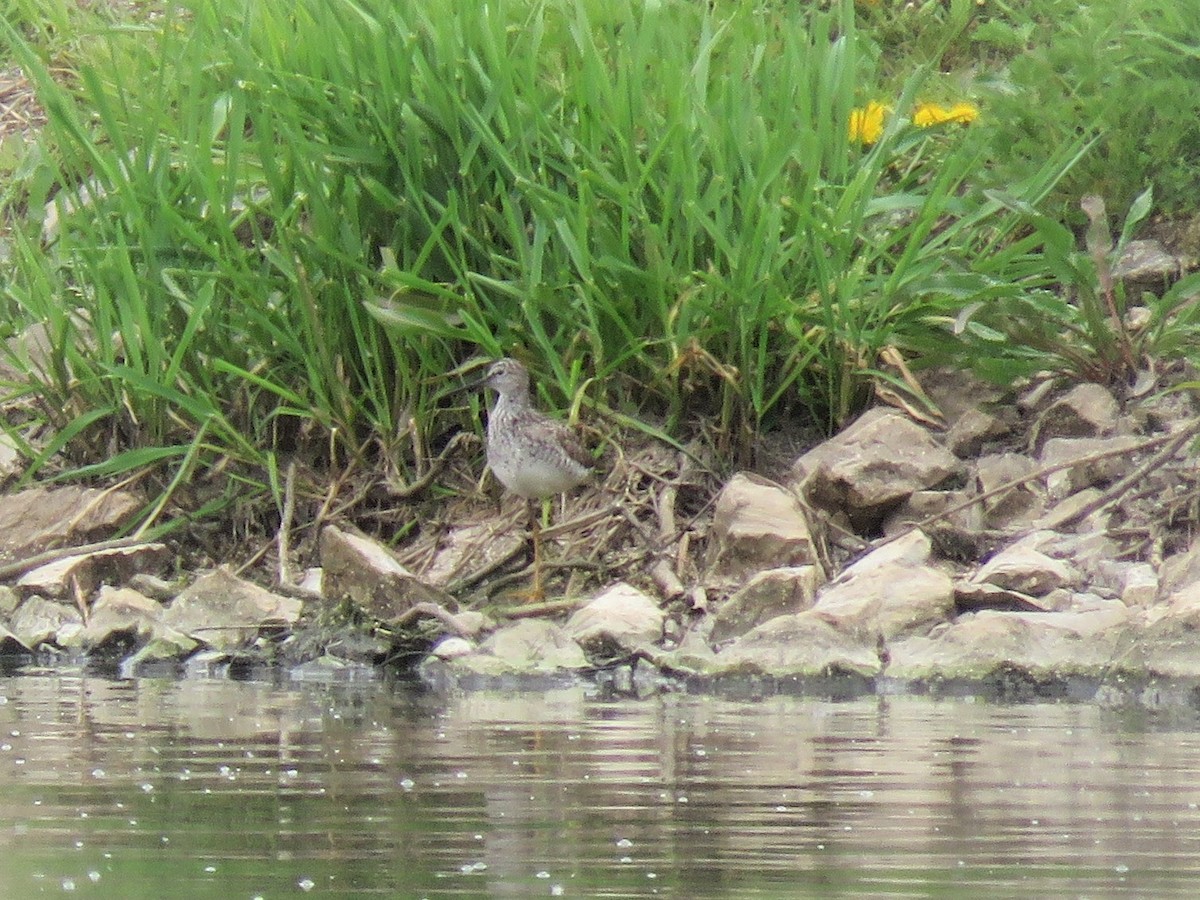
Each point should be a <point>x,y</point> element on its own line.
<point>771,593</point>
<point>757,525</point>
<point>452,648</point>
<point>622,615</point>
<point>1021,568</point>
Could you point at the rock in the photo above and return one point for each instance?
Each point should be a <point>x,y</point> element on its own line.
<point>619,621</point>
<point>1040,645</point>
<point>757,525</point>
<point>921,505</point>
<point>159,655</point>
<point>38,518</point>
<point>33,349</point>
<point>693,656</point>
<point>975,428</point>
<point>888,593</point>
<point>452,648</point>
<point>868,469</point>
<point>312,581</point>
<point>38,620</point>
<point>1139,585</point>
<point>1020,503</point>
<point>366,573</point>
<point>154,587</point>
<point>123,612</point>
<point>86,572</point>
<point>10,458</point>
<point>225,612</point>
<point>1090,551</point>
<point>472,623</point>
<point>1026,570</point>
<point>1083,469</point>
<point>771,593</point>
<point>528,647</point>
<point>1169,646</point>
<point>1087,410</point>
<point>9,600</point>
<point>800,645</point>
<point>1146,266</point>
<point>1180,569</point>
<point>959,393</point>
<point>11,645</point>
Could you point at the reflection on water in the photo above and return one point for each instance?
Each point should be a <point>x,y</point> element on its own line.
<point>154,788</point>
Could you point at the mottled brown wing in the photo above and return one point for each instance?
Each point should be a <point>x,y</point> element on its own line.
<point>568,439</point>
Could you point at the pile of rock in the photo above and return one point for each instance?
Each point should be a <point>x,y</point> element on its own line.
<point>1044,537</point>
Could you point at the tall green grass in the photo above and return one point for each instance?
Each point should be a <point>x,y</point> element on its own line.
<point>280,223</point>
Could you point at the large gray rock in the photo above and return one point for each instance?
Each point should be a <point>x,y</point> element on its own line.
<point>1181,569</point>
<point>122,613</point>
<point>622,618</point>
<point>888,593</point>
<point>1041,645</point>
<point>1023,568</point>
<point>39,620</point>
<point>366,573</point>
<point>9,600</point>
<point>225,612</point>
<point>11,645</point>
<point>771,593</point>
<point>38,518</point>
<point>868,469</point>
<point>757,525</point>
<point>1146,266</point>
<point>86,572</point>
<point>800,645</point>
<point>1086,410</point>
<point>529,647</point>
<point>1138,584</point>
<point>1169,646</point>
<point>973,430</point>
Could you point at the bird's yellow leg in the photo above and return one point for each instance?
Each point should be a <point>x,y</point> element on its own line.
<point>536,511</point>
<point>537,593</point>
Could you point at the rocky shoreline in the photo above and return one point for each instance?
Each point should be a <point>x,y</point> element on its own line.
<point>1035,541</point>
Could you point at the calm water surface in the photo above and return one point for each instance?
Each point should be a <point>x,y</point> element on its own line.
<point>214,788</point>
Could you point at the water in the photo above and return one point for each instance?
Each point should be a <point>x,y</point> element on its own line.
<point>213,788</point>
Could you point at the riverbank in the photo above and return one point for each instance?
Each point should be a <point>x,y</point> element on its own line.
<point>1032,541</point>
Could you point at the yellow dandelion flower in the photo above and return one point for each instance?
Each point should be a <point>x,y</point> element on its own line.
<point>927,115</point>
<point>866,122</point>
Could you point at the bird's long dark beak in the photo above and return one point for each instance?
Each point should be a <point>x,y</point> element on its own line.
<point>478,372</point>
